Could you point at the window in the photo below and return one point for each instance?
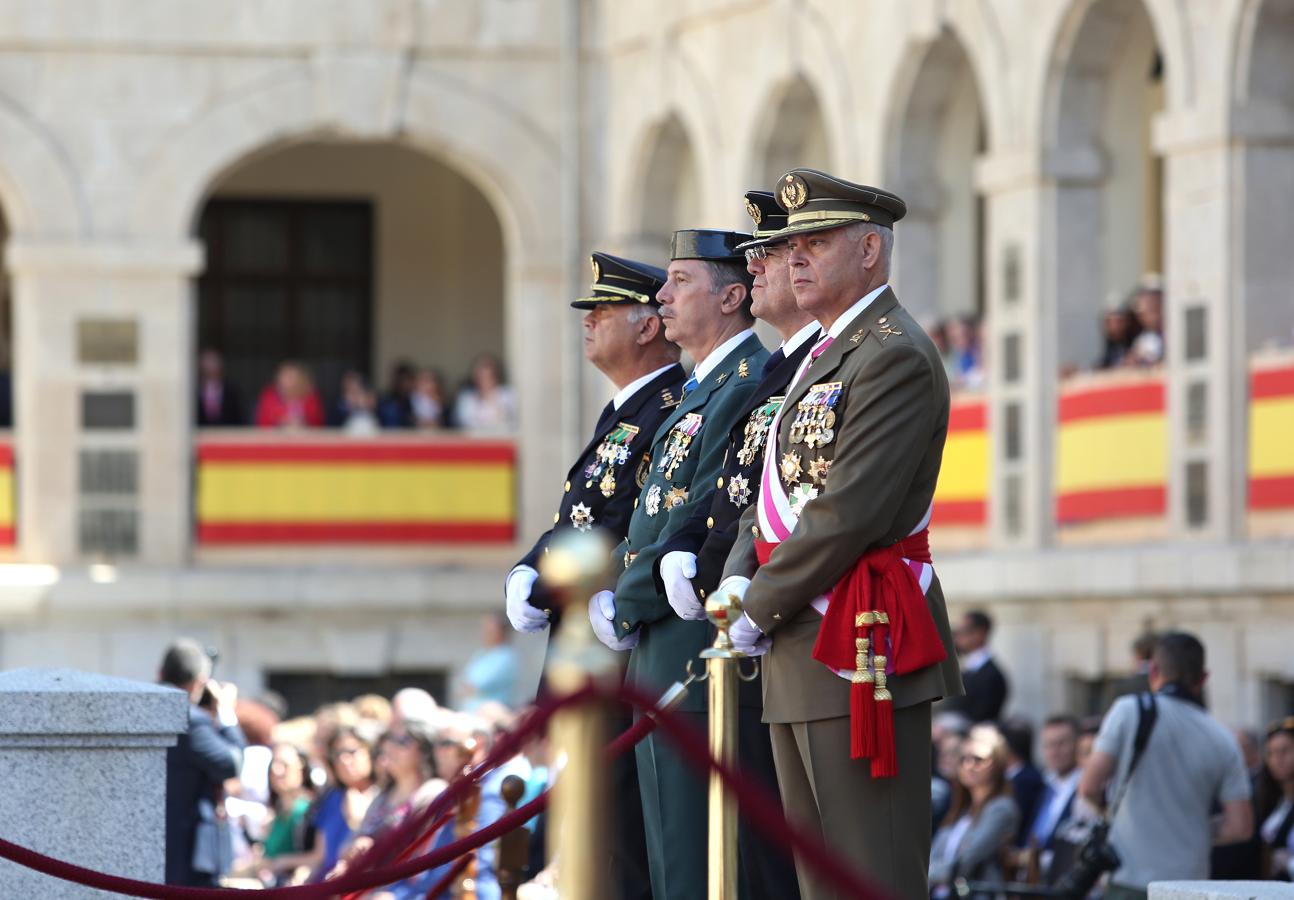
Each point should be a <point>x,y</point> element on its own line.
<point>287,279</point>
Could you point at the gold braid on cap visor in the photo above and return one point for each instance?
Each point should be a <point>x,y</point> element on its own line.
<point>610,289</point>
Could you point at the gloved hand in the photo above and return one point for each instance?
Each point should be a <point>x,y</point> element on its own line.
<point>677,569</point>
<point>524,617</point>
<point>602,616</point>
<point>747,638</point>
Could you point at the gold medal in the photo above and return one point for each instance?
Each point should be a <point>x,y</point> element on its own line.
<point>608,483</point>
<point>790,466</point>
<point>581,517</point>
<point>675,496</point>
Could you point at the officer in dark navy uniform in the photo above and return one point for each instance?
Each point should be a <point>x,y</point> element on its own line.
<point>691,561</point>
<point>625,339</point>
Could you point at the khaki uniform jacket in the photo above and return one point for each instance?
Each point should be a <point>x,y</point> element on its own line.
<point>891,422</point>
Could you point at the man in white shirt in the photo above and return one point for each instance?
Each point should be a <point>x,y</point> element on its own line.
<point>1059,744</point>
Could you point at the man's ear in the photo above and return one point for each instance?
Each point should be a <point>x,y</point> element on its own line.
<point>734,295</point>
<point>648,330</point>
<point>871,247</point>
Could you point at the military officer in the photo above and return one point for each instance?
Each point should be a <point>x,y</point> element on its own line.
<point>691,561</point>
<point>705,305</point>
<point>625,338</point>
<point>833,561</point>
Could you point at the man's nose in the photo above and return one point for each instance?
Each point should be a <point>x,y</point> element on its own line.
<point>795,259</point>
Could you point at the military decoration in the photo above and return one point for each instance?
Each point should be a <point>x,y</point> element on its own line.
<point>818,469</point>
<point>679,444</point>
<point>815,419</point>
<point>743,368</point>
<point>754,212</point>
<point>756,430</point>
<point>581,517</point>
<point>611,453</point>
<point>739,490</point>
<point>794,192</point>
<point>675,496</point>
<point>644,470</point>
<point>597,270</point>
<point>802,494</point>
<point>790,466</point>
<point>652,503</point>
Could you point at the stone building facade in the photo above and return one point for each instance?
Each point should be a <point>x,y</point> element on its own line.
<point>1051,153</point>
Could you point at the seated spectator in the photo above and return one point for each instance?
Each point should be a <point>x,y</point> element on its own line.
<point>963,353</point>
<point>1026,781</point>
<point>1118,331</point>
<point>1061,775</point>
<point>395,409</point>
<point>355,411</point>
<point>290,402</point>
<point>1276,801</point>
<point>374,712</point>
<point>487,404</point>
<point>1148,306</point>
<point>342,808</point>
<point>287,854</point>
<point>427,402</point>
<point>982,820</point>
<point>219,404</point>
<point>413,703</point>
<point>491,674</point>
<point>408,757</point>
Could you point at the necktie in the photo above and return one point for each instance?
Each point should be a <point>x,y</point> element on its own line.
<point>604,421</point>
<point>690,385</point>
<point>822,345</point>
<point>773,360</point>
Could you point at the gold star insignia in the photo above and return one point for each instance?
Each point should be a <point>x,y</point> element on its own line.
<point>790,466</point>
<point>581,517</point>
<point>675,496</point>
<point>818,469</point>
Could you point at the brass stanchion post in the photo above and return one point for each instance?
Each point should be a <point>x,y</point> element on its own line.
<point>573,568</point>
<point>721,662</point>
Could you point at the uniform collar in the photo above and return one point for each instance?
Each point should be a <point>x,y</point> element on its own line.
<point>848,316</point>
<point>719,354</point>
<point>797,340</point>
<point>636,385</point>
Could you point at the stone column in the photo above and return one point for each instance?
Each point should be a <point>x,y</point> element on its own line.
<point>105,338</point>
<point>83,764</point>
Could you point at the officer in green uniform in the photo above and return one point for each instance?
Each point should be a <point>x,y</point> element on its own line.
<point>705,305</point>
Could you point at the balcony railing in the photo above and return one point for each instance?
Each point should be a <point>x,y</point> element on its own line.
<point>325,488</point>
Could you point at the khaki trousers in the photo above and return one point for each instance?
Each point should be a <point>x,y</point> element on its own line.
<point>880,825</point>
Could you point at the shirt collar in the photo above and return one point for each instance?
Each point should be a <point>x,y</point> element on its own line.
<point>850,314</point>
<point>975,659</point>
<point>795,341</point>
<point>1064,785</point>
<point>634,386</point>
<point>718,354</point>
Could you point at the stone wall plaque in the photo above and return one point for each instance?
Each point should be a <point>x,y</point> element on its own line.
<point>107,341</point>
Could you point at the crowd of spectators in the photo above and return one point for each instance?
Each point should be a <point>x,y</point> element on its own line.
<point>1132,332</point>
<point>1199,801</point>
<point>958,339</point>
<point>257,799</point>
<point>414,399</point>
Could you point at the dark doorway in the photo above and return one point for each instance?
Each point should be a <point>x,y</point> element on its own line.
<point>307,691</point>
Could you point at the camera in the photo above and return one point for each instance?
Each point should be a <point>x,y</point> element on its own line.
<point>1094,859</point>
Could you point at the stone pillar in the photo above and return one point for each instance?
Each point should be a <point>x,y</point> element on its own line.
<point>1221,890</point>
<point>103,371</point>
<point>83,764</point>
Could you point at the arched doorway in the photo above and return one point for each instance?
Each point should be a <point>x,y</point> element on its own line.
<point>671,196</point>
<point>793,134</point>
<point>1106,86</point>
<point>937,133</point>
<point>348,257</point>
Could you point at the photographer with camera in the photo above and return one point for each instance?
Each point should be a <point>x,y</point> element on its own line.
<point>199,847</point>
<point>1170,765</point>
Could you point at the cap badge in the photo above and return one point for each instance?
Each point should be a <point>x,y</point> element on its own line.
<point>597,270</point>
<point>794,192</point>
<point>754,211</point>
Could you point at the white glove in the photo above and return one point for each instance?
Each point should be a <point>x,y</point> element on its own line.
<point>602,616</point>
<point>747,638</point>
<point>524,617</point>
<point>677,569</point>
<point>735,585</point>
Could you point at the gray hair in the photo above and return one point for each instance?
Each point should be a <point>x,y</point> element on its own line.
<point>885,233</point>
<point>640,311</point>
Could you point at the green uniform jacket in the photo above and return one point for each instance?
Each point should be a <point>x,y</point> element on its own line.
<point>891,422</point>
<point>666,642</point>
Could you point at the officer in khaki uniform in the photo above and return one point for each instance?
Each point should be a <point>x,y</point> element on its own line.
<point>705,305</point>
<point>847,487</point>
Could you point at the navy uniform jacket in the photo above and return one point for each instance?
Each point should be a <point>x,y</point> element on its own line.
<point>711,530</point>
<point>687,454</point>
<point>197,840</point>
<point>584,503</point>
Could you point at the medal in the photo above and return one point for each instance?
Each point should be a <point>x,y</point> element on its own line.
<point>802,494</point>
<point>608,484</point>
<point>652,503</point>
<point>582,517</point>
<point>679,443</point>
<point>612,452</point>
<point>757,430</point>
<point>818,470</point>
<point>790,466</point>
<point>676,496</point>
<point>739,490</point>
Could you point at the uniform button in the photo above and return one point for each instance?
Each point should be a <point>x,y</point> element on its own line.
<point>548,612</point>
<point>709,523</point>
<point>754,529</point>
<point>882,320</point>
<point>624,625</point>
<point>701,593</point>
<point>557,517</point>
<point>568,487</point>
<point>719,483</point>
<point>635,502</point>
<point>777,616</point>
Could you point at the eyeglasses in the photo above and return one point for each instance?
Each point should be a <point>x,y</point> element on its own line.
<point>760,252</point>
<point>347,752</point>
<point>401,740</point>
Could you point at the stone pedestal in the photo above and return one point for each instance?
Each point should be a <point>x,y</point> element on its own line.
<point>83,765</point>
<point>1221,890</point>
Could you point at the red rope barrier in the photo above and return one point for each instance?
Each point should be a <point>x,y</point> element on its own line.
<point>447,880</point>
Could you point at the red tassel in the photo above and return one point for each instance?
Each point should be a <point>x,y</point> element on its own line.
<point>862,711</point>
<point>885,762</point>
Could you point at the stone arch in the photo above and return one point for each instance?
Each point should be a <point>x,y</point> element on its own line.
<point>1108,80</point>
<point>791,132</point>
<point>936,131</point>
<point>39,189</point>
<point>1264,128</point>
<point>668,195</point>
